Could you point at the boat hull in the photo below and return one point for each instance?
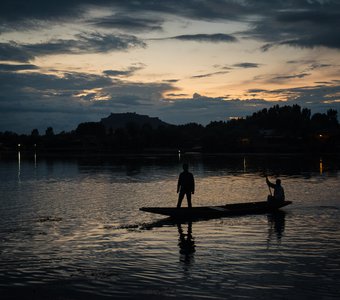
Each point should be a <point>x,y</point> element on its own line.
<point>216,211</point>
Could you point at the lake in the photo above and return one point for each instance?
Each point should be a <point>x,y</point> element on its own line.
<point>72,229</point>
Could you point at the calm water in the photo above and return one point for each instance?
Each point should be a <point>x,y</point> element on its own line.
<point>71,229</point>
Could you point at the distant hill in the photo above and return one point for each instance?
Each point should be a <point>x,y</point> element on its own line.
<point>120,120</point>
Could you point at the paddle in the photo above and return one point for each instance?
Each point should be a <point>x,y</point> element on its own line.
<point>270,191</point>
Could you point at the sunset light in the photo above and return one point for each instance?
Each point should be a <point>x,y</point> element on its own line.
<point>164,59</point>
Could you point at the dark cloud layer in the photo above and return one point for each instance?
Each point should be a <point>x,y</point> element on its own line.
<point>285,77</point>
<point>209,74</point>
<point>246,65</point>
<point>299,23</point>
<point>12,67</point>
<point>124,73</point>
<point>85,43</point>
<point>213,38</point>
<point>16,10</point>
<point>82,44</point>
<point>127,23</point>
<point>14,52</point>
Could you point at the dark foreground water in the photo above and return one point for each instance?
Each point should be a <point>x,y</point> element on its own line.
<point>71,229</point>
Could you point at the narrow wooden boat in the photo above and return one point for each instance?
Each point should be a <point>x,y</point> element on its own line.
<point>203,212</point>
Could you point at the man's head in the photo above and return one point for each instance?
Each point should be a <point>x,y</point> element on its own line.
<point>185,167</point>
<point>278,181</point>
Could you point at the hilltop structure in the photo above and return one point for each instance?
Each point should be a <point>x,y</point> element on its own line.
<point>122,120</point>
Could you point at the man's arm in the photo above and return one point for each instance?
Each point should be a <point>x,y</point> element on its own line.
<point>193,184</point>
<point>272,185</point>
<point>178,183</point>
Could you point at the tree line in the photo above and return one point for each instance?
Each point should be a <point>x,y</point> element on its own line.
<point>277,129</point>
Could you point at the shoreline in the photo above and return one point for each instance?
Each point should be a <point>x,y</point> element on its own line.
<point>169,154</point>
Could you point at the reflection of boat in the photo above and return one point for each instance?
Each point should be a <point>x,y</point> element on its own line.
<point>217,211</point>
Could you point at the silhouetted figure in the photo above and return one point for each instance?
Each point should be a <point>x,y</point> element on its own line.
<point>279,193</point>
<point>185,186</point>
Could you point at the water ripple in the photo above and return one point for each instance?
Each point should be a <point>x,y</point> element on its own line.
<point>79,234</point>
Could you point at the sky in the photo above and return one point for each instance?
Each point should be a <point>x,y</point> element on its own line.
<point>70,61</point>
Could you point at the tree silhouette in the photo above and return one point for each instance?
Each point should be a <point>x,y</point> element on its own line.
<point>35,133</point>
<point>276,129</point>
<point>49,131</point>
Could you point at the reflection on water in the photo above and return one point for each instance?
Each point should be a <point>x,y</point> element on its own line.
<point>276,223</point>
<point>72,229</point>
<point>186,243</point>
<point>19,165</point>
<point>35,160</point>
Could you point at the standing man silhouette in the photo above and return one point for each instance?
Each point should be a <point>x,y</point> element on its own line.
<point>185,186</point>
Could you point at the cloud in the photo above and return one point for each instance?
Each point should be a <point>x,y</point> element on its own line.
<point>314,26</point>
<point>255,92</point>
<point>208,74</point>
<point>226,69</point>
<point>211,38</point>
<point>311,64</point>
<point>42,100</point>
<point>302,24</point>
<point>298,24</point>
<point>18,89</point>
<point>124,73</point>
<point>246,65</point>
<point>145,93</point>
<point>320,97</point>
<point>287,77</point>
<point>325,40</point>
<point>315,66</point>
<point>85,43</point>
<point>315,96</point>
<point>13,68</point>
<point>203,110</point>
<point>305,24</point>
<point>176,95</point>
<point>64,101</point>
<point>171,80</point>
<point>279,78</point>
<point>14,52</point>
<point>118,73</point>
<point>14,11</point>
<point>128,23</point>
<point>17,11</point>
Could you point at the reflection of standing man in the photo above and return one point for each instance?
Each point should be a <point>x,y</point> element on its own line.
<point>186,243</point>
<point>185,186</point>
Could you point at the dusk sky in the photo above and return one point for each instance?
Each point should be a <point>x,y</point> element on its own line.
<point>70,61</point>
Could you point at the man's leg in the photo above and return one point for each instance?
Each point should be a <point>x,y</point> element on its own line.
<point>180,198</point>
<point>189,199</point>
